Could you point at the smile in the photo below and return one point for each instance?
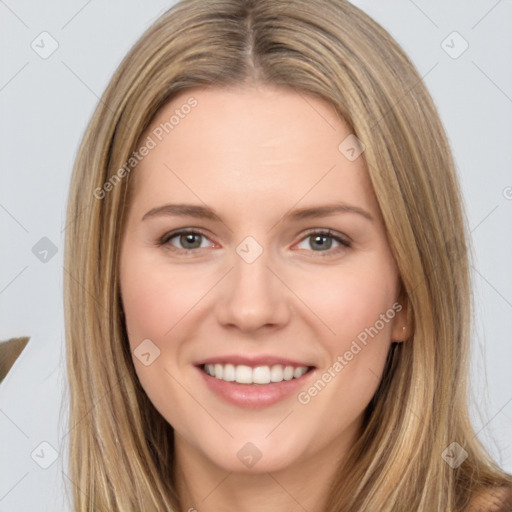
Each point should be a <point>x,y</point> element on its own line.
<point>254,383</point>
<point>243,374</point>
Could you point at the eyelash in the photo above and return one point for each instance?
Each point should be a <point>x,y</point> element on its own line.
<point>344,242</point>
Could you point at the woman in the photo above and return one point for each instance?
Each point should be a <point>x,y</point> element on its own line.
<point>268,275</point>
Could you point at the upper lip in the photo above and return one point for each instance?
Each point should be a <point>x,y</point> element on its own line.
<point>261,360</point>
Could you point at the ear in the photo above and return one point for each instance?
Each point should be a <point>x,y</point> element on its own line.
<point>402,323</point>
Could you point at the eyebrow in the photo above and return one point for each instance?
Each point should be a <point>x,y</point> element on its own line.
<point>205,212</point>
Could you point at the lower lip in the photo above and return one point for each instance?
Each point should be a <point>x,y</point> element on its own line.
<point>254,396</point>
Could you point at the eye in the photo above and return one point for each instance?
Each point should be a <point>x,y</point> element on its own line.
<point>185,240</point>
<point>322,241</point>
<point>319,241</point>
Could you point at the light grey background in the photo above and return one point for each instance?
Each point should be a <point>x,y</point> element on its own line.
<point>46,104</point>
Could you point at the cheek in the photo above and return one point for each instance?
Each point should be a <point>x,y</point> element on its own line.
<point>352,298</point>
<point>356,303</point>
<point>154,299</point>
<point>154,302</point>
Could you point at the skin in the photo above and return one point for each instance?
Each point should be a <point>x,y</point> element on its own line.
<point>253,154</point>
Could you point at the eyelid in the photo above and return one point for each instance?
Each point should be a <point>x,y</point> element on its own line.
<point>342,238</point>
<point>344,241</point>
<point>164,240</point>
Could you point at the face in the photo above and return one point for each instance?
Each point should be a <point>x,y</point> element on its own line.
<point>259,290</point>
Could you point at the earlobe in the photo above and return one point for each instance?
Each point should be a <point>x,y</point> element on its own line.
<point>401,337</point>
<point>402,324</point>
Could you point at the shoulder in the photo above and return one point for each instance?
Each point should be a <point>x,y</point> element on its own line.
<point>497,499</point>
<point>9,352</point>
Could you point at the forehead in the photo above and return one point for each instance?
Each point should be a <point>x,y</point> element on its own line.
<point>249,143</point>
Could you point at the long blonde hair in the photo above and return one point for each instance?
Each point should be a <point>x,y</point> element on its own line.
<point>121,449</point>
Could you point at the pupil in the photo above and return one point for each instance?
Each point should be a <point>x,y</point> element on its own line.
<point>192,239</point>
<point>322,242</point>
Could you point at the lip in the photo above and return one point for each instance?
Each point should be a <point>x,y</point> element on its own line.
<point>261,360</point>
<point>254,396</point>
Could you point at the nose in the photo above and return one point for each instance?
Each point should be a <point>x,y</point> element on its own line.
<point>252,297</point>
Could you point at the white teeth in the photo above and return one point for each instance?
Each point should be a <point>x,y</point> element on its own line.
<point>243,374</point>
<point>229,373</point>
<point>276,373</point>
<point>288,373</point>
<point>299,372</point>
<point>261,375</point>
<point>258,375</point>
